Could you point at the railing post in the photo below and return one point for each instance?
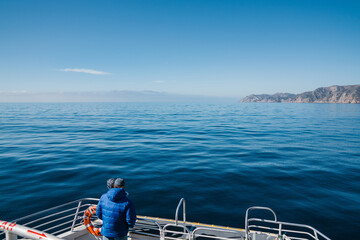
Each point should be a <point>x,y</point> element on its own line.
<point>184,211</point>
<point>246,224</point>
<point>315,234</point>
<point>280,228</point>
<point>182,201</point>
<point>10,236</point>
<point>162,234</point>
<point>76,215</point>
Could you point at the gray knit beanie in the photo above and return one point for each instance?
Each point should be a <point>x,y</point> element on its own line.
<point>110,183</point>
<point>119,182</point>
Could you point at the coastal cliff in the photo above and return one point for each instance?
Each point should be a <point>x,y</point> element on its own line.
<point>333,94</point>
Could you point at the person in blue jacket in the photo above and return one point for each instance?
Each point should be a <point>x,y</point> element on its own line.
<point>117,212</point>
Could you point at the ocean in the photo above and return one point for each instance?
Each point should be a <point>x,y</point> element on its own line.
<point>301,160</point>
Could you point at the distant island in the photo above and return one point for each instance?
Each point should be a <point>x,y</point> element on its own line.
<point>333,94</point>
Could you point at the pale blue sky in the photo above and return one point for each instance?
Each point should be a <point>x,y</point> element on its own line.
<point>217,48</point>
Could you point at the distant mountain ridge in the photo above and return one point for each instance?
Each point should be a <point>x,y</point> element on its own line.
<point>106,96</point>
<point>332,94</point>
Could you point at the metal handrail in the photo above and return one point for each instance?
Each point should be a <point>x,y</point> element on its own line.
<point>48,216</point>
<point>52,220</point>
<point>284,230</point>
<point>247,215</point>
<point>151,224</point>
<point>280,229</point>
<point>186,230</point>
<point>13,230</point>
<point>152,221</point>
<point>159,228</point>
<point>64,230</point>
<point>54,208</point>
<point>76,215</point>
<point>182,201</point>
<point>193,233</point>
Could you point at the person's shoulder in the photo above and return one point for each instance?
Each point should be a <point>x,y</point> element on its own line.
<point>104,194</point>
<point>103,197</point>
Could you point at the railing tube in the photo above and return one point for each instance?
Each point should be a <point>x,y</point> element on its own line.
<point>247,214</point>
<point>280,227</point>
<point>162,234</point>
<point>182,201</point>
<point>54,208</point>
<point>186,230</point>
<point>14,228</point>
<point>76,215</point>
<point>315,234</point>
<point>184,211</point>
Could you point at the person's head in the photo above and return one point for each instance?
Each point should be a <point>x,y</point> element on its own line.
<point>110,183</point>
<point>119,183</point>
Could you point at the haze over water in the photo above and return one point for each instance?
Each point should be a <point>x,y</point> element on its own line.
<point>301,160</point>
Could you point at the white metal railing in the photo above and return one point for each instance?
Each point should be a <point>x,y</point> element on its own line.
<point>282,229</point>
<point>153,228</point>
<point>182,201</point>
<point>61,219</point>
<point>176,231</point>
<point>208,235</point>
<point>13,230</point>
<point>52,221</point>
<point>66,217</point>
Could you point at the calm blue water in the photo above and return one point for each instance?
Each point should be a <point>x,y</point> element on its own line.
<point>302,160</point>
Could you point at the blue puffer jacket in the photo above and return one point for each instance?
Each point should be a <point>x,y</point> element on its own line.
<point>117,213</point>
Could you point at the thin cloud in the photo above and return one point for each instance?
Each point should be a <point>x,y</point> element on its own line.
<point>83,70</point>
<point>159,81</point>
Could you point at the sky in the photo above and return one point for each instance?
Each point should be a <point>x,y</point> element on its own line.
<point>219,48</point>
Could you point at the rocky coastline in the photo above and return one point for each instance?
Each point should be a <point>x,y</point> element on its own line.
<point>332,94</point>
